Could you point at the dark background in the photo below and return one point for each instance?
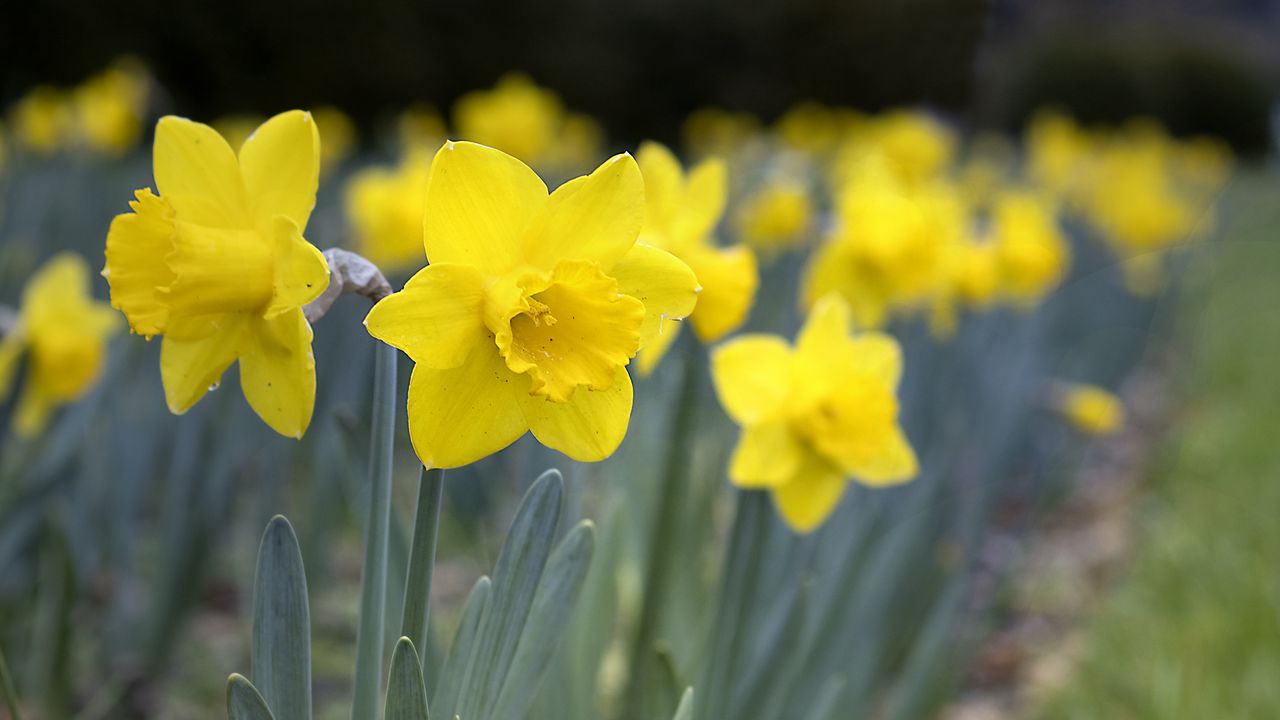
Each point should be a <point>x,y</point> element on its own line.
<point>1200,65</point>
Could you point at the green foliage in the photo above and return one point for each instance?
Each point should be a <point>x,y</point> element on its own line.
<point>282,624</point>
<point>244,702</point>
<point>406,693</point>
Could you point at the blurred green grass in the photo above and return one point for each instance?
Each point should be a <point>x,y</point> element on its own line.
<point>1193,631</point>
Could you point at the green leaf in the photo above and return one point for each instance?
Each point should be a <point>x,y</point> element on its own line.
<point>6,687</point>
<point>282,624</point>
<point>406,693</point>
<point>515,583</point>
<point>460,663</point>
<point>422,558</point>
<point>373,579</point>
<point>244,702</point>
<point>545,628</point>
<point>684,711</point>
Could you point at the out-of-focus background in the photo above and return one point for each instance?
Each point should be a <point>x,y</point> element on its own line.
<point>1089,376</point>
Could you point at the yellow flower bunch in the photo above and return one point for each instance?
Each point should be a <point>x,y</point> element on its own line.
<point>337,136</point>
<point>888,250</point>
<point>815,414</point>
<point>526,121</point>
<point>1059,156</point>
<point>64,332</point>
<point>1031,251</point>
<point>681,213</point>
<point>42,120</point>
<point>715,132</point>
<point>218,265</point>
<point>530,309</point>
<point>109,107</point>
<point>914,147</point>
<point>385,208</point>
<point>420,126</point>
<point>816,129</point>
<point>779,216</point>
<point>1089,408</point>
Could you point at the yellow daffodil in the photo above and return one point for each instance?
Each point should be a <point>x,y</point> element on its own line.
<point>1031,251</point>
<point>337,136</point>
<point>516,117</point>
<point>42,120</point>
<point>64,332</point>
<point>917,146</point>
<point>110,107</point>
<point>1059,155</point>
<point>810,127</point>
<point>420,127</point>
<point>579,143</point>
<point>815,414</point>
<point>385,208</point>
<point>777,217</point>
<point>714,132</point>
<point>680,214</point>
<point>530,309</point>
<point>1090,409</point>
<point>218,265</point>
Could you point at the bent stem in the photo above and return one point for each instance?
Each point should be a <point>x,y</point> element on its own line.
<point>370,632</point>
<point>671,499</point>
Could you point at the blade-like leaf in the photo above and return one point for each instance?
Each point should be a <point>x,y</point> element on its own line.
<point>515,582</point>
<point>406,694</point>
<point>557,594</point>
<point>458,666</point>
<point>422,558</point>
<point>684,711</point>
<point>244,702</point>
<point>282,624</point>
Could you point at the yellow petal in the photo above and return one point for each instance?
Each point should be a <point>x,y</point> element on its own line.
<point>480,203</point>
<point>704,200</point>
<point>194,355</point>
<point>460,415</point>
<point>810,497</point>
<point>32,411</point>
<point>62,281</point>
<point>593,218</point>
<point>301,272</point>
<point>878,356</point>
<point>660,280</point>
<point>824,350</point>
<point>767,455</point>
<point>137,244</point>
<point>11,347</point>
<point>652,353</point>
<point>280,164</point>
<point>589,426</point>
<point>752,376</point>
<point>576,330</point>
<point>728,278</point>
<point>663,185</point>
<point>893,462</point>
<point>278,372</point>
<point>198,174</point>
<point>437,319</point>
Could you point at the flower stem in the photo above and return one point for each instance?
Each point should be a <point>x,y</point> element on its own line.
<point>370,633</point>
<point>6,688</point>
<point>422,560</point>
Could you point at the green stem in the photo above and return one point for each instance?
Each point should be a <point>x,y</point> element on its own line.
<point>371,632</point>
<point>671,501</point>
<point>6,688</point>
<point>422,560</point>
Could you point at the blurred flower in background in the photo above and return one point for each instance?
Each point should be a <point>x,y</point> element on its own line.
<point>1089,408</point>
<point>528,122</point>
<point>110,107</point>
<point>385,207</point>
<point>42,120</point>
<point>777,217</point>
<point>63,332</point>
<point>337,136</point>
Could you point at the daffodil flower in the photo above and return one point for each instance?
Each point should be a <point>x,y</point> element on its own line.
<point>530,309</point>
<point>216,263</point>
<point>815,414</point>
<point>64,332</point>
<point>385,209</point>
<point>1089,408</point>
<point>680,214</point>
<point>1032,253</point>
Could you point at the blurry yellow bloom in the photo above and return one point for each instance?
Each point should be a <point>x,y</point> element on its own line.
<point>889,249</point>
<point>1059,155</point>
<point>235,129</point>
<point>814,414</point>
<point>1031,251</point>
<point>777,217</point>
<point>1090,409</point>
<point>42,120</point>
<point>530,309</point>
<point>385,208</point>
<point>810,127</point>
<point>420,126</point>
<point>975,272</point>
<point>716,132</point>
<point>516,117</point>
<point>110,106</point>
<point>4,150</point>
<point>680,214</point>
<point>64,331</point>
<point>916,146</point>
<point>990,160</point>
<point>337,136</point>
<point>217,264</point>
<point>578,144</point>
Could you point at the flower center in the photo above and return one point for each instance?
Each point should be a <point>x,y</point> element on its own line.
<point>849,425</point>
<point>219,270</point>
<point>567,329</point>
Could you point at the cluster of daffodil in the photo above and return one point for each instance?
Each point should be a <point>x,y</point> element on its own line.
<point>106,113</point>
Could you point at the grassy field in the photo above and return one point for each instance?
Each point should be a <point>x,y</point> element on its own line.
<point>1193,630</point>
